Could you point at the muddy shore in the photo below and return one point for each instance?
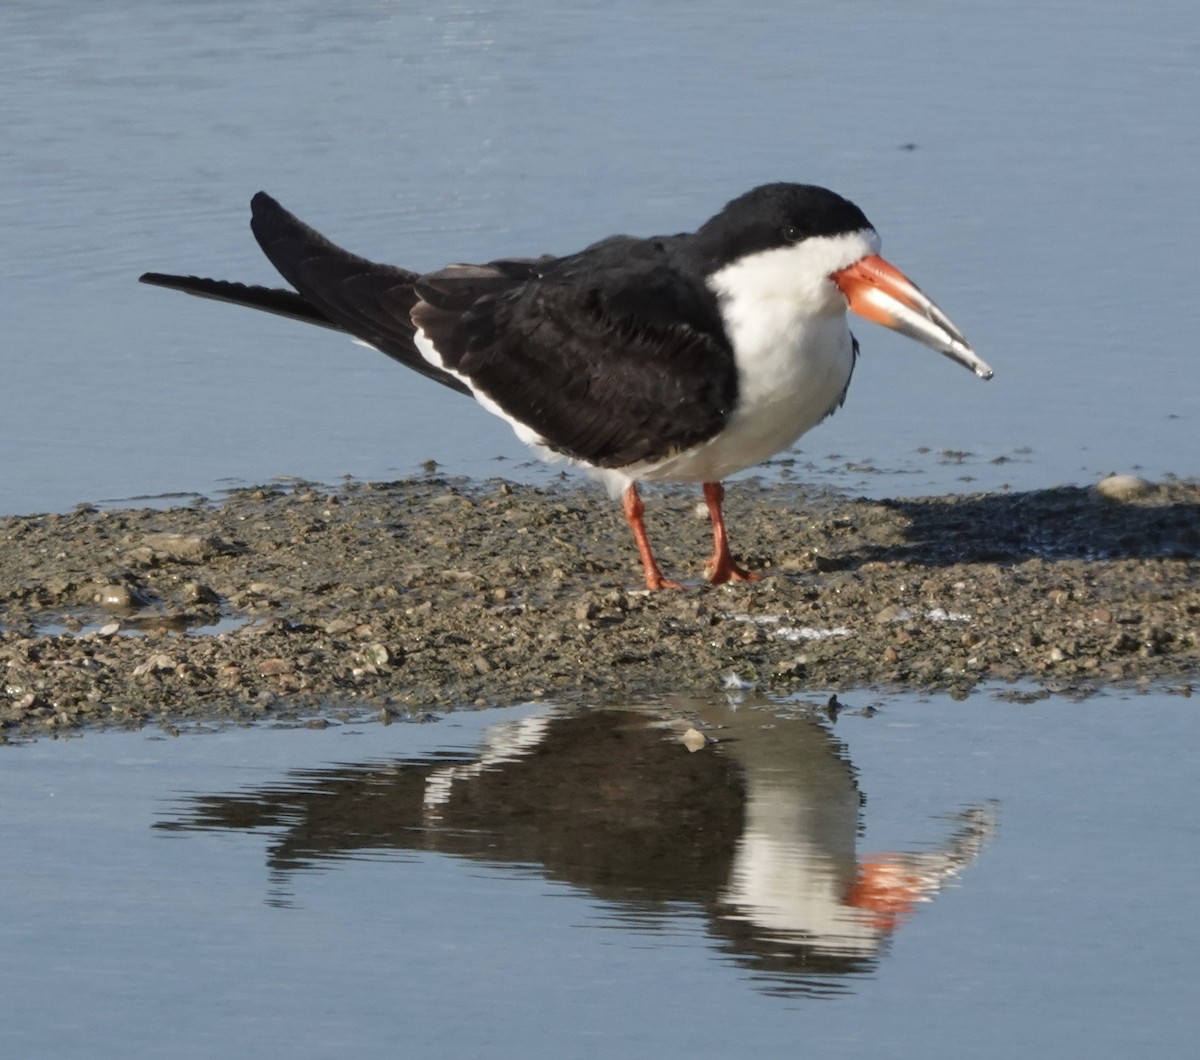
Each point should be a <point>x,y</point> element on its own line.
<point>301,601</point>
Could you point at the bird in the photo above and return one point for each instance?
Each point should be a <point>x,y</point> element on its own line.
<point>679,359</point>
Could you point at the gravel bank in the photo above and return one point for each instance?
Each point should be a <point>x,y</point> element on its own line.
<point>396,597</point>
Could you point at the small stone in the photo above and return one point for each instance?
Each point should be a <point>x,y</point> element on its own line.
<point>376,655</point>
<point>191,548</point>
<point>1124,643</point>
<point>796,667</point>
<point>155,664</point>
<point>196,593</point>
<point>275,666</point>
<point>1122,488</point>
<point>694,740</point>
<point>115,597</point>
<point>58,586</point>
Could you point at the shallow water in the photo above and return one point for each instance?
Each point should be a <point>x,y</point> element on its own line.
<point>921,877</point>
<point>1028,164</point>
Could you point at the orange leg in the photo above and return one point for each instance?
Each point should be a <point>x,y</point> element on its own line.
<point>634,510</point>
<point>721,567</point>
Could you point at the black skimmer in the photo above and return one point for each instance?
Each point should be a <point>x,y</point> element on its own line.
<point>679,358</point>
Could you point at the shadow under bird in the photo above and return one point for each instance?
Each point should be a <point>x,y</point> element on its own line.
<point>682,358</point>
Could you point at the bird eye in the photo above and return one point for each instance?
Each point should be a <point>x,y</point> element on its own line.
<point>792,234</point>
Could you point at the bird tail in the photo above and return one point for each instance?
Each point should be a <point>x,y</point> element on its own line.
<point>268,299</point>
<point>336,289</point>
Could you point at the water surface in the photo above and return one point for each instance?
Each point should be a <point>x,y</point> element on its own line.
<point>923,877</point>
<point>1030,165</point>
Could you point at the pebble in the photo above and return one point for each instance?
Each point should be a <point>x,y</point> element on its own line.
<point>157,663</point>
<point>1122,488</point>
<point>115,598</point>
<point>275,666</point>
<point>196,593</point>
<point>193,548</point>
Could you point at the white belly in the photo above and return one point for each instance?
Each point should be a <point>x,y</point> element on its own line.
<point>785,388</point>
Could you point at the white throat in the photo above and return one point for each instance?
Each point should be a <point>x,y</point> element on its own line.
<point>785,317</point>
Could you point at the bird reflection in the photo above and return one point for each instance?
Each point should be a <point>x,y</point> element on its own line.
<point>754,830</point>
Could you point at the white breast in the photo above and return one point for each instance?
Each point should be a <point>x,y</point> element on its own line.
<point>786,321</point>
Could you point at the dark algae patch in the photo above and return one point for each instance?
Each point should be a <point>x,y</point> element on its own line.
<point>396,597</point>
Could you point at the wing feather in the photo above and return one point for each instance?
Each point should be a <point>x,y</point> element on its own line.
<point>613,356</point>
<point>610,365</point>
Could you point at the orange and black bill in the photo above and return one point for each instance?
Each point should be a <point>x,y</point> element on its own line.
<point>882,293</point>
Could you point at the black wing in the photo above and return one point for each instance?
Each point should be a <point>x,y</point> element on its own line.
<point>613,356</point>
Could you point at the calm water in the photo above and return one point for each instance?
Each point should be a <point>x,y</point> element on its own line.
<point>979,879</point>
<point>1046,204</point>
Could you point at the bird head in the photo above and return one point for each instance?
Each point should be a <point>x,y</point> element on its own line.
<point>818,249</point>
